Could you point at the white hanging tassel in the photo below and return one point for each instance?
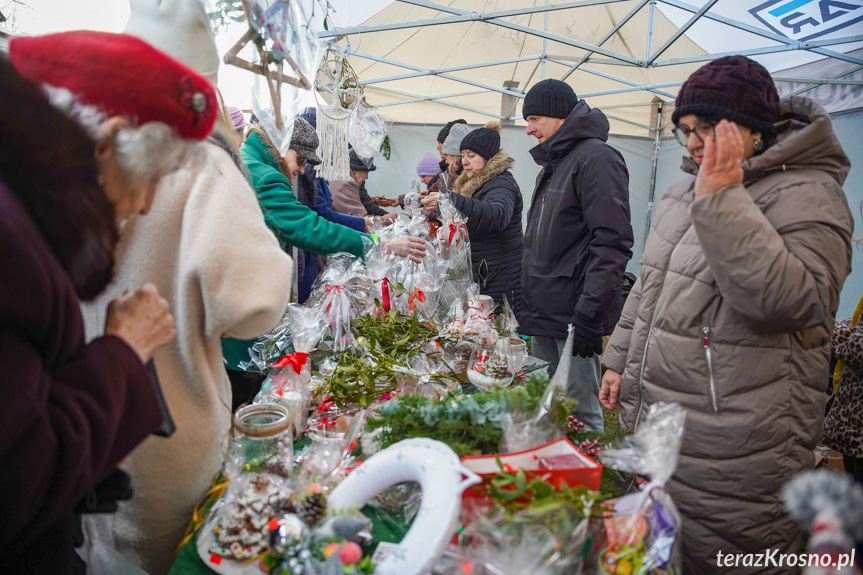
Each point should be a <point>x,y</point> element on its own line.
<point>333,130</point>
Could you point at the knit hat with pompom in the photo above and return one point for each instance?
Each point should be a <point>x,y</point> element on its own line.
<point>483,141</point>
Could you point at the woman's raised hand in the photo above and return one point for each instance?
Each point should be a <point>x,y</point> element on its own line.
<point>721,164</point>
<point>430,201</point>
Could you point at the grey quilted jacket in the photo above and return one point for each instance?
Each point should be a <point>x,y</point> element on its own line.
<point>731,318</point>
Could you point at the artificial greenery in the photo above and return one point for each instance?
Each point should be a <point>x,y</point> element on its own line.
<point>360,379</point>
<point>393,333</point>
<point>469,424</point>
<point>227,11</point>
<point>386,148</point>
<point>524,497</point>
<point>387,341</point>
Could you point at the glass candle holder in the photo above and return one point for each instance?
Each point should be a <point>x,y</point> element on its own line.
<point>263,440</point>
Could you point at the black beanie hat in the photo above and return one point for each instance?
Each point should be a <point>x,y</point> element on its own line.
<point>732,88</point>
<point>551,98</point>
<point>358,165</point>
<point>483,141</point>
<point>444,132</point>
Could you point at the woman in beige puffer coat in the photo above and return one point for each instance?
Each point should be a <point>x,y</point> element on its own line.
<point>732,315</point>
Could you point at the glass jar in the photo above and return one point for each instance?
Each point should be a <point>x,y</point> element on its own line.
<point>489,367</point>
<point>518,353</point>
<point>263,440</point>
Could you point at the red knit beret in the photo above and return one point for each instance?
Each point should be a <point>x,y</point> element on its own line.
<point>733,88</point>
<point>121,76</point>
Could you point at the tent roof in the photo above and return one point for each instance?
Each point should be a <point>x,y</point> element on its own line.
<point>428,62</point>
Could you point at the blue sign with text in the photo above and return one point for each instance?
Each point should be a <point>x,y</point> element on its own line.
<point>804,20</point>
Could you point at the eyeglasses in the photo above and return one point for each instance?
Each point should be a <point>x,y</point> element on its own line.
<point>701,131</point>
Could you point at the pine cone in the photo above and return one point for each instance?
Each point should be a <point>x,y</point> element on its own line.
<point>497,367</point>
<point>312,509</point>
<point>285,506</point>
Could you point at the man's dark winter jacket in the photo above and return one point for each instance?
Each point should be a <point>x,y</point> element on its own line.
<point>579,237</point>
<point>491,200</point>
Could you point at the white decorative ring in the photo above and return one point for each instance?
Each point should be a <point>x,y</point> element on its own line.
<point>439,473</point>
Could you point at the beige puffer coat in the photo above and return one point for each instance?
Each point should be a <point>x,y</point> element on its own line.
<point>731,319</point>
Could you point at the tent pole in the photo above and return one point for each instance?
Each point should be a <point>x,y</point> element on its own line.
<point>657,142</point>
<point>544,43</point>
<point>649,31</point>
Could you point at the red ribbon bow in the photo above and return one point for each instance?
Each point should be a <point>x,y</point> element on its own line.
<point>296,360</point>
<point>385,291</point>
<point>453,228</point>
<point>338,287</point>
<point>326,405</point>
<point>418,295</point>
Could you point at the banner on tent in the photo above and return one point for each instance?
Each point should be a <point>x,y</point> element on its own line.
<point>804,20</point>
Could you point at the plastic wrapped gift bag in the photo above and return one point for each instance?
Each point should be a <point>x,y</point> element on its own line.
<point>641,535</point>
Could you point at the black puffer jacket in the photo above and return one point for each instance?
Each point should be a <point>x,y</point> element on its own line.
<point>491,200</point>
<point>579,237</point>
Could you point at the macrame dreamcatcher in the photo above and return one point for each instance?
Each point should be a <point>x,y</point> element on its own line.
<point>338,93</point>
<point>368,131</point>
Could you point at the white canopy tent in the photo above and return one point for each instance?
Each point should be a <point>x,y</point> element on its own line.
<point>424,63</point>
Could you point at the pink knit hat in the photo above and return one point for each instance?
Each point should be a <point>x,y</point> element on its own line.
<point>429,165</point>
<point>237,118</point>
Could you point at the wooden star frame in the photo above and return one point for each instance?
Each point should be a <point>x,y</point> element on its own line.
<point>273,72</point>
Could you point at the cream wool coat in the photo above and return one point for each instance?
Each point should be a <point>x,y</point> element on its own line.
<point>204,244</point>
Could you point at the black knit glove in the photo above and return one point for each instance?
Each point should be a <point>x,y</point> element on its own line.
<point>587,336</point>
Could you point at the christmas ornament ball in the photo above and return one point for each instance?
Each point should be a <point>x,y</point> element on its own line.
<point>350,553</point>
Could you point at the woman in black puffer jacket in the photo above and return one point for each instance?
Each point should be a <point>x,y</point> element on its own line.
<point>487,194</point>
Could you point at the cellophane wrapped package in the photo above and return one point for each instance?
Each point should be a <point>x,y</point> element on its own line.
<point>289,382</point>
<point>331,296</point>
<point>454,251</point>
<point>640,537</point>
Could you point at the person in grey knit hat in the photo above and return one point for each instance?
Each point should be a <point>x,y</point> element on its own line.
<point>305,142</point>
<point>452,144</point>
<point>451,150</point>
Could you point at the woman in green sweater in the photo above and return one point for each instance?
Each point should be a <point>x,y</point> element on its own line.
<point>294,225</point>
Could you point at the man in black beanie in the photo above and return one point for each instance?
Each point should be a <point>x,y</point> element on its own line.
<point>578,238</point>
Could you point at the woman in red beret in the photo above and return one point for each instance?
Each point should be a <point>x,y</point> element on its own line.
<point>732,315</point>
<point>71,170</point>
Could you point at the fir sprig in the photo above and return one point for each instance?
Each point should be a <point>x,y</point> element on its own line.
<point>469,424</point>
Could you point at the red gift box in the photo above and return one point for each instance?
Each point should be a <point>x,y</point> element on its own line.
<point>556,462</point>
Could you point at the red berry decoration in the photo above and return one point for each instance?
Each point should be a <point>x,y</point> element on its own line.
<point>351,553</point>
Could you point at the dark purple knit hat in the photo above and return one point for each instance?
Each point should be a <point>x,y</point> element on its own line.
<point>733,88</point>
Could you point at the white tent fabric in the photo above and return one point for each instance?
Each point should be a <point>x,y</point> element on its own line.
<point>427,62</point>
<point>424,63</point>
